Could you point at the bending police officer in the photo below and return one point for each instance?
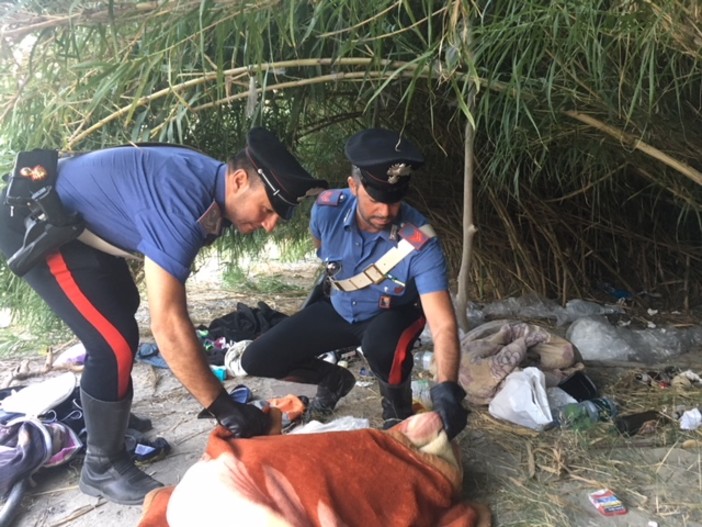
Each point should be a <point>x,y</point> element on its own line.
<point>165,202</point>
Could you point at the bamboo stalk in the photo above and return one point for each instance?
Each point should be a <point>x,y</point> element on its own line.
<point>244,70</point>
<point>636,143</point>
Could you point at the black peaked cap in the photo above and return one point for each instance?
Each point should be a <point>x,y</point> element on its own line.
<point>386,160</point>
<point>287,182</point>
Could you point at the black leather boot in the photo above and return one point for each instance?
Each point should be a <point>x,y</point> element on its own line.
<point>333,382</point>
<point>396,401</point>
<point>107,469</point>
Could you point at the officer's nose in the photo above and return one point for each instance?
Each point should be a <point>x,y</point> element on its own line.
<point>270,222</point>
<point>385,209</point>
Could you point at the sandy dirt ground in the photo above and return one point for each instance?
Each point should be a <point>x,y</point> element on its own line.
<point>527,478</point>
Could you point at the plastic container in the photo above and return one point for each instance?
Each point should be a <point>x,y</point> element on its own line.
<point>220,372</point>
<point>421,392</point>
<point>582,415</point>
<point>423,360</point>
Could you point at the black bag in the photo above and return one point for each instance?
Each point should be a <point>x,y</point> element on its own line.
<point>245,323</point>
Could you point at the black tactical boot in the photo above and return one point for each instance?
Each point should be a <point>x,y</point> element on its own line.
<point>397,402</point>
<point>333,382</point>
<point>107,469</point>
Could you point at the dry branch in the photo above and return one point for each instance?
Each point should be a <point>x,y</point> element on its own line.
<point>636,143</point>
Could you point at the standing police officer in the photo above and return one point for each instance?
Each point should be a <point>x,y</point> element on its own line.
<point>388,278</point>
<point>165,202</point>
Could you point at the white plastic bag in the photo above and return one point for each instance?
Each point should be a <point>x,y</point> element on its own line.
<point>522,399</point>
<point>340,424</point>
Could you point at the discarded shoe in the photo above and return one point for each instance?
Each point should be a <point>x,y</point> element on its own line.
<point>150,451</point>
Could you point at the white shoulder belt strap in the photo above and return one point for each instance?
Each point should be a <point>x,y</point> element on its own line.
<point>377,272</point>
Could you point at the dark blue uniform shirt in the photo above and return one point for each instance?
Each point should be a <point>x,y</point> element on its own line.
<point>157,200</point>
<point>420,272</point>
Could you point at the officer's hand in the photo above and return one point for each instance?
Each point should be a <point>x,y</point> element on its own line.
<point>447,399</point>
<point>242,420</point>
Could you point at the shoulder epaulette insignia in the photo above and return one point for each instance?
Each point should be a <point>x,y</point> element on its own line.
<point>211,220</point>
<point>330,198</point>
<point>413,235</point>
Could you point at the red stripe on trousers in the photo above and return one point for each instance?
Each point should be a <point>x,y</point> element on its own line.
<point>402,349</point>
<point>123,353</point>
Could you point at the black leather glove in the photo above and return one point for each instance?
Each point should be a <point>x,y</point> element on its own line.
<point>242,420</point>
<point>447,399</point>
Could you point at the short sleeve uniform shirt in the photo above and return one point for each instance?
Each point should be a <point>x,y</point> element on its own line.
<point>353,250</point>
<point>154,200</point>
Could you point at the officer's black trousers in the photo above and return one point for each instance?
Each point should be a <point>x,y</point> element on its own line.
<point>95,295</point>
<point>386,341</point>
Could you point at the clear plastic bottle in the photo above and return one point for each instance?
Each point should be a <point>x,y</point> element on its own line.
<point>582,415</point>
<point>421,392</point>
<point>423,360</point>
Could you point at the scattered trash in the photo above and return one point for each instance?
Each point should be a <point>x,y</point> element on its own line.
<point>421,392</point>
<point>240,394</point>
<point>622,295</point>
<point>143,450</point>
<point>686,380</point>
<point>691,443</point>
<point>148,352</point>
<point>582,415</point>
<point>579,386</point>
<point>642,422</point>
<point>37,399</point>
<point>607,503</point>
<point>292,408</point>
<point>558,397</point>
<point>691,420</point>
<point>344,354</point>
<point>661,379</point>
<point>522,400</point>
<point>220,372</point>
<point>337,425</point>
<point>5,317</point>
<point>329,357</point>
<point>232,359</point>
<point>597,339</point>
<point>423,360</point>
<point>72,356</point>
<point>534,307</point>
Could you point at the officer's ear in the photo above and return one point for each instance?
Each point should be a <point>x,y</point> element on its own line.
<point>238,180</point>
<point>353,185</point>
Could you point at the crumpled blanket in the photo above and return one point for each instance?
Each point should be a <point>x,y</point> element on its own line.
<point>409,475</point>
<point>493,350</point>
<point>28,444</point>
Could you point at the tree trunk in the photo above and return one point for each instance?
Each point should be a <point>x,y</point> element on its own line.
<point>469,228</point>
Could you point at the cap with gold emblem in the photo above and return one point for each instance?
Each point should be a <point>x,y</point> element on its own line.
<point>287,182</point>
<point>386,161</point>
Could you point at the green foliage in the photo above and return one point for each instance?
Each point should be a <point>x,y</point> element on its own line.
<point>238,279</point>
<point>565,95</point>
<point>29,310</point>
